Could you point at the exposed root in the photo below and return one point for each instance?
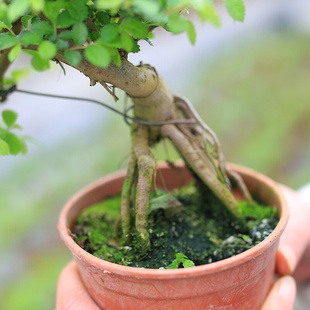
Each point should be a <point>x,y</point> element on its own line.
<point>212,144</point>
<point>212,147</point>
<point>205,173</point>
<point>141,165</point>
<point>126,201</point>
<point>201,150</point>
<point>241,185</point>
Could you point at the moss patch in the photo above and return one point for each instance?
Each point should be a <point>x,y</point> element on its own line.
<point>190,231</point>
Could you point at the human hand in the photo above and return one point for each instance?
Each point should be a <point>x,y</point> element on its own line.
<point>282,295</point>
<point>293,256</point>
<point>71,292</point>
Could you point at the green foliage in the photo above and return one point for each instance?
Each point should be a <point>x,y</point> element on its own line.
<point>10,143</point>
<point>98,29</point>
<point>236,9</point>
<point>179,261</point>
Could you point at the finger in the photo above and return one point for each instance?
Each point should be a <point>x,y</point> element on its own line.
<point>296,236</point>
<point>282,295</point>
<point>302,272</point>
<point>71,292</point>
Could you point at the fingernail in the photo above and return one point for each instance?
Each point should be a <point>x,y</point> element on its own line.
<point>287,288</point>
<point>288,260</point>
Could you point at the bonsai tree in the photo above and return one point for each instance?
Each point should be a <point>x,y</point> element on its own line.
<point>95,37</point>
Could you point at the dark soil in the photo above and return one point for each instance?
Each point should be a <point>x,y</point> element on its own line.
<point>189,230</point>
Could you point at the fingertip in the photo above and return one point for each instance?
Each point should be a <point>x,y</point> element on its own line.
<point>285,260</point>
<point>287,288</point>
<point>282,295</point>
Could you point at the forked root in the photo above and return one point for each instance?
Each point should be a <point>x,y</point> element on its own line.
<point>201,169</point>
<point>212,147</point>
<point>142,166</point>
<point>200,149</point>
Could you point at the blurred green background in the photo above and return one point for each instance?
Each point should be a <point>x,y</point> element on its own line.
<point>254,93</point>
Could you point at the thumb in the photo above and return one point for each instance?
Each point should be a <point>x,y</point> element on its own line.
<point>296,236</point>
<point>282,295</point>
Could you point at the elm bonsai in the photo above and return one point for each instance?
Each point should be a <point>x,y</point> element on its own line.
<point>95,37</point>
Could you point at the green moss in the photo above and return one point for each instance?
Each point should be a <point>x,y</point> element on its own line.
<point>190,231</point>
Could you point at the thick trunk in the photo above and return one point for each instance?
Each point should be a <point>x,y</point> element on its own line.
<point>136,81</point>
<point>154,102</point>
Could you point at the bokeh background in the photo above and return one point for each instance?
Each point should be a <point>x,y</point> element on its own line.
<point>250,82</point>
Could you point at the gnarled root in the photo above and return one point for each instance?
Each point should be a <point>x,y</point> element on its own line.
<point>199,147</point>
<point>201,168</point>
<point>211,147</point>
<point>142,165</point>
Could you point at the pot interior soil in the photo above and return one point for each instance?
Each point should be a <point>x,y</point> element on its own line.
<point>184,230</point>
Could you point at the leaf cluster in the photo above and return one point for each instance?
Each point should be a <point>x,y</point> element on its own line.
<point>11,143</point>
<point>181,260</point>
<point>99,30</point>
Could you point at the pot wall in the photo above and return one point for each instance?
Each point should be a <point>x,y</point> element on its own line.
<point>239,282</point>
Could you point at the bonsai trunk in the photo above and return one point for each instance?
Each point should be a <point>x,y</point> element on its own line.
<point>194,140</point>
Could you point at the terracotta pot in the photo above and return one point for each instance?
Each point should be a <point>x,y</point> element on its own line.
<point>240,282</point>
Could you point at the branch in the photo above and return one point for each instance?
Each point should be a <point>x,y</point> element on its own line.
<point>135,81</point>
<point>4,61</point>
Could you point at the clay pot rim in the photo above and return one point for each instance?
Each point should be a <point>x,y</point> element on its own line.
<point>129,271</point>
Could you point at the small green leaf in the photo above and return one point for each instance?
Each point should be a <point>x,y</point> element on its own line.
<point>42,27</point>
<point>25,20</point>
<point>23,146</point>
<point>3,10</point>
<point>62,44</point>
<point>74,57</point>
<point>14,52</point>
<point>77,9</point>
<point>98,55</point>
<point>79,33</point>
<point>236,9</point>
<point>103,18</point>
<point>173,265</point>
<point>2,25</point>
<point>66,35</point>
<point>116,58</point>
<point>13,142</point>
<point>64,20</point>
<point>150,9</point>
<point>17,8</point>
<point>109,33</point>
<point>7,40</point>
<point>135,27</point>
<point>4,148</point>
<point>109,4</point>
<point>52,10</point>
<point>18,75</point>
<point>187,263</point>
<point>180,258</point>
<point>94,36</point>
<point>127,42</point>
<point>9,117</point>
<point>177,23</point>
<point>39,64</point>
<point>37,5</point>
<point>17,126</point>
<point>47,50</point>
<point>191,32</point>
<point>208,12</point>
<point>30,38</point>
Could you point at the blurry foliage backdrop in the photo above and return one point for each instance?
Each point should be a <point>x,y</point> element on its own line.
<point>256,98</point>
